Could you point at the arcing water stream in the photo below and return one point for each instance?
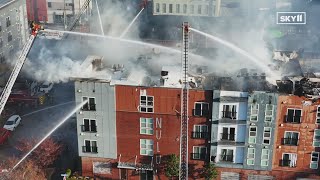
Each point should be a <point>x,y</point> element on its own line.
<point>101,26</point>
<point>273,75</point>
<point>49,133</point>
<point>131,23</point>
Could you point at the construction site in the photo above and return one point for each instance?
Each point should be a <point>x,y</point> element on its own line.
<point>239,103</point>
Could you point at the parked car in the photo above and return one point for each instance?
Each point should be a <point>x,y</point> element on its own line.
<point>46,87</point>
<point>4,135</point>
<point>12,122</point>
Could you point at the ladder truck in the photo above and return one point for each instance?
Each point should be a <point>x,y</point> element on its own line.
<point>23,56</point>
<point>183,174</point>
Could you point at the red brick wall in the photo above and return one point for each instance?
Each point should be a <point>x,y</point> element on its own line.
<point>87,167</point>
<point>305,128</point>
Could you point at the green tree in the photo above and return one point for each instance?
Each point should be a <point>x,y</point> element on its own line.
<point>172,166</point>
<point>209,172</point>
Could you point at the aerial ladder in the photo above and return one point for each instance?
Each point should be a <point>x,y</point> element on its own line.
<point>23,56</point>
<point>183,173</point>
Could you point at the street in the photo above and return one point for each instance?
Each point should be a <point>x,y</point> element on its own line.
<point>36,123</point>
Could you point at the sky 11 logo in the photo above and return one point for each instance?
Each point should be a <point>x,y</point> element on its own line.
<point>291,18</point>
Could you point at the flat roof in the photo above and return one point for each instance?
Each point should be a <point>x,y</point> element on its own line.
<point>4,3</point>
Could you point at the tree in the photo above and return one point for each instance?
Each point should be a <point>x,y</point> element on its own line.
<point>172,166</point>
<point>209,172</point>
<point>26,170</point>
<point>45,154</point>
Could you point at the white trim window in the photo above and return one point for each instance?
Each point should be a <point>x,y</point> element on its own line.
<point>90,146</point>
<point>254,112</point>
<point>157,8</point>
<point>177,8</point>
<point>229,111</point>
<point>90,105</point>
<point>252,134</point>
<point>269,113</point>
<point>200,131</point>
<point>291,138</point>
<point>146,126</point>
<point>316,138</point>
<point>318,115</point>
<point>314,160</point>
<point>289,159</point>
<point>146,147</point>
<point>199,152</point>
<point>146,104</point>
<point>89,125</point>
<point>294,115</point>
<point>251,156</point>
<point>266,135</point>
<point>8,21</point>
<point>201,109</point>
<point>164,8</point>
<point>184,8</point>
<point>265,157</point>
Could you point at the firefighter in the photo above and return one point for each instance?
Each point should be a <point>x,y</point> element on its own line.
<point>35,28</point>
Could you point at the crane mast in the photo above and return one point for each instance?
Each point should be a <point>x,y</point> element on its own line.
<point>183,174</point>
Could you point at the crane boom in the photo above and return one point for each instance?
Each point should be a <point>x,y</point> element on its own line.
<point>183,175</point>
<point>15,72</point>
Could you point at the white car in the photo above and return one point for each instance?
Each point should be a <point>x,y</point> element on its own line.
<point>12,122</point>
<point>46,87</point>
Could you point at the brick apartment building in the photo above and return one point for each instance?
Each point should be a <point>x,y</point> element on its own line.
<point>125,132</point>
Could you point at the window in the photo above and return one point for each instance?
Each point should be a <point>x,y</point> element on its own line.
<point>170,8</point>
<point>177,8</point>
<point>293,116</point>
<point>164,8</point>
<point>229,111</point>
<point>19,27</point>
<point>199,152</point>
<point>146,175</point>
<point>89,125</point>
<point>206,10</point>
<point>191,9</point>
<point>1,42</point>
<point>146,126</point>
<point>8,21</point>
<point>269,113</point>
<point>228,133</point>
<point>266,135</point>
<point>49,5</point>
<point>157,7</point>
<point>90,146</point>
<point>200,131</point>
<point>291,138</point>
<point>2,58</point>
<point>265,157</point>
<point>226,155</point>
<point>0,27</point>
<point>254,112</point>
<point>199,9</point>
<point>11,51</point>
<point>316,138</point>
<point>146,104</point>
<point>314,160</point>
<point>185,9</point>
<point>318,115</point>
<point>250,156</point>
<point>146,147</point>
<point>90,105</point>
<point>252,134</point>
<point>201,109</point>
<point>289,160</point>
<point>9,36</point>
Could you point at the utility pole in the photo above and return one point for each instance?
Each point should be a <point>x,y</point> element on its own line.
<point>64,15</point>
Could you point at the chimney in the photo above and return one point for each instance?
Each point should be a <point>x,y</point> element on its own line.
<point>96,64</point>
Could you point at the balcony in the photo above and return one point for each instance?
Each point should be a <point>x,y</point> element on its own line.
<point>229,115</point>
<point>91,128</point>
<point>286,163</point>
<point>292,119</point>
<point>89,149</point>
<point>89,107</point>
<point>200,135</point>
<point>198,156</point>
<point>227,137</point>
<point>200,112</point>
<point>226,158</point>
<point>290,141</point>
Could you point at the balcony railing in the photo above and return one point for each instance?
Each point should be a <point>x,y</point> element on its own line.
<point>91,128</point>
<point>227,137</point>
<point>286,163</point>
<point>200,112</point>
<point>229,114</point>
<point>226,158</point>
<point>290,141</point>
<point>293,119</point>
<point>89,107</point>
<point>90,149</point>
<point>198,156</point>
<point>200,135</point>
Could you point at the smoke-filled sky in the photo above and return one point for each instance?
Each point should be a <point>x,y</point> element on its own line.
<point>49,62</point>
